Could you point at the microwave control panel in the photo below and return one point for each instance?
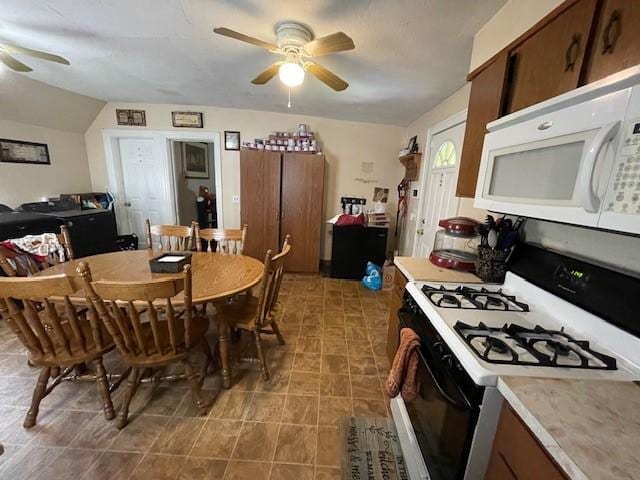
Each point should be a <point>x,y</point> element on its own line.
<point>624,196</point>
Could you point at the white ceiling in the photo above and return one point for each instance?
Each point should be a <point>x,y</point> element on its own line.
<point>410,54</point>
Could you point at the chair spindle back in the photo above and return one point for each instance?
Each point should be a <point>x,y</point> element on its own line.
<point>51,335</point>
<point>227,240</point>
<point>271,281</point>
<point>141,317</point>
<point>170,237</point>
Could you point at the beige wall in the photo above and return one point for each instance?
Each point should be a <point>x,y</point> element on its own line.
<point>68,172</point>
<point>511,21</point>
<point>446,109</point>
<point>345,144</point>
<point>36,112</point>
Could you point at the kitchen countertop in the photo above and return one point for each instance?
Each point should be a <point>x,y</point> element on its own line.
<point>418,269</point>
<point>591,428</point>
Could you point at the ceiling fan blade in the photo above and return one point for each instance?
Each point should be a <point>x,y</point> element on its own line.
<point>267,74</point>
<point>245,38</point>
<point>34,53</point>
<point>336,42</point>
<point>326,76</point>
<point>14,64</point>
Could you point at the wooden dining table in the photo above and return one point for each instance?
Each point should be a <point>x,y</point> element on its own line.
<point>215,277</point>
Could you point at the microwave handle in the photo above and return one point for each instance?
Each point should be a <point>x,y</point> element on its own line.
<point>589,198</point>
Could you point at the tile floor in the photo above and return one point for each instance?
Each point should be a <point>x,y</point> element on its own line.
<point>333,364</point>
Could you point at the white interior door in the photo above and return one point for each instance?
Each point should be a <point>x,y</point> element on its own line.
<point>144,182</point>
<point>439,197</point>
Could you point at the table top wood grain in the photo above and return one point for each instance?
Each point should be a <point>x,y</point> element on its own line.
<point>216,276</point>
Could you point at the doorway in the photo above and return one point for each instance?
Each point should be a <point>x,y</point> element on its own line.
<point>439,199</point>
<point>195,183</point>
<point>144,175</point>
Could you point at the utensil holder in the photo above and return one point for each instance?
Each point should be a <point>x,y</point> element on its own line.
<point>491,264</point>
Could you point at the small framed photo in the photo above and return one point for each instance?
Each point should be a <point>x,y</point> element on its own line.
<point>413,144</point>
<point>187,119</point>
<point>195,159</point>
<point>135,118</point>
<point>231,140</point>
<point>20,151</point>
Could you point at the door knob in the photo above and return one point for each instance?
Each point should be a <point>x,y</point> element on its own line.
<point>127,204</point>
<point>420,231</point>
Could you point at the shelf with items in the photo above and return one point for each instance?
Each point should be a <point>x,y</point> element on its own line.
<point>411,164</point>
<point>301,141</point>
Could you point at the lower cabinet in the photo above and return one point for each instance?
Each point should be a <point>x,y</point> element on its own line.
<point>517,455</point>
<point>393,333</point>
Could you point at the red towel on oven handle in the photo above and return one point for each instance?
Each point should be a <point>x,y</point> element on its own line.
<point>402,377</point>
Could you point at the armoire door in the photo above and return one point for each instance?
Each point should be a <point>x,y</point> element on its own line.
<point>302,201</point>
<point>260,201</point>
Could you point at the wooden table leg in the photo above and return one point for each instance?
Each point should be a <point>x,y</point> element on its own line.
<point>225,354</point>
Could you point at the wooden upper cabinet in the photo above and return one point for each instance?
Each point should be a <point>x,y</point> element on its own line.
<point>616,44</point>
<point>260,201</point>
<point>485,105</point>
<point>549,62</point>
<point>302,201</point>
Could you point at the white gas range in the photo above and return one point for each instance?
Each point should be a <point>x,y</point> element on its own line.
<point>473,334</point>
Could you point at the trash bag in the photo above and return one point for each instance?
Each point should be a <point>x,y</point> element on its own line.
<point>373,278</point>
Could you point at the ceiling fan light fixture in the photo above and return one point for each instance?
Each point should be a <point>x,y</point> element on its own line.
<point>291,74</point>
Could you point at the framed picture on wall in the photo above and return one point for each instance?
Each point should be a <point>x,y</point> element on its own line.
<point>231,140</point>
<point>135,118</point>
<point>413,144</point>
<point>187,119</point>
<point>20,151</point>
<point>195,159</point>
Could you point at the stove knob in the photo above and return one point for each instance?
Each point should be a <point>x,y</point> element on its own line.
<point>449,361</point>
<point>439,347</point>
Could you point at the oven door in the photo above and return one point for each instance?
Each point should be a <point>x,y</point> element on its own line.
<point>443,419</point>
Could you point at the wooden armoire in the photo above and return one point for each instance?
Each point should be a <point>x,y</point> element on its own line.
<point>282,194</point>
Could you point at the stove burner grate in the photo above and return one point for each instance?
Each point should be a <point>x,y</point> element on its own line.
<point>558,343</point>
<point>473,298</point>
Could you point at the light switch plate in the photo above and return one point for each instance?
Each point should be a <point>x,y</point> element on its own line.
<point>235,199</point>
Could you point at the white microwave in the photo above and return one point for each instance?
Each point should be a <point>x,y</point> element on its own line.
<point>572,159</point>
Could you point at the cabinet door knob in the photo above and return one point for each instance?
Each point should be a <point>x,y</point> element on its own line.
<point>571,57</point>
<point>127,204</point>
<point>609,40</point>
<point>420,231</point>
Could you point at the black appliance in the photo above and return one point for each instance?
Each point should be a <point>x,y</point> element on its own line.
<point>18,224</point>
<point>445,412</point>
<point>355,245</point>
<point>92,231</point>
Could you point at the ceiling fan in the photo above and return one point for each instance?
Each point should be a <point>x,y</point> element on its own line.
<point>296,43</point>
<point>14,64</point>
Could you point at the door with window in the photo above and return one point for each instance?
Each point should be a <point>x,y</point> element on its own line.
<point>439,197</point>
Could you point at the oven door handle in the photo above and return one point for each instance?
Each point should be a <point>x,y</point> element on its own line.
<point>462,406</point>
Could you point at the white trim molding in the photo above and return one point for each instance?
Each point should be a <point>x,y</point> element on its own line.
<point>446,124</point>
<point>163,140</point>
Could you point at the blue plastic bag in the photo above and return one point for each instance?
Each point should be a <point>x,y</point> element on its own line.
<point>373,278</point>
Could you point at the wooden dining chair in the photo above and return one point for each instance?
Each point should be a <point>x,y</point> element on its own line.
<point>149,332</point>
<point>15,264</point>
<point>226,240</point>
<point>56,336</point>
<point>257,314</point>
<point>170,237</point>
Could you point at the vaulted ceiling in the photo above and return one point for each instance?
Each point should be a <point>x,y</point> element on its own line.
<point>410,54</point>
